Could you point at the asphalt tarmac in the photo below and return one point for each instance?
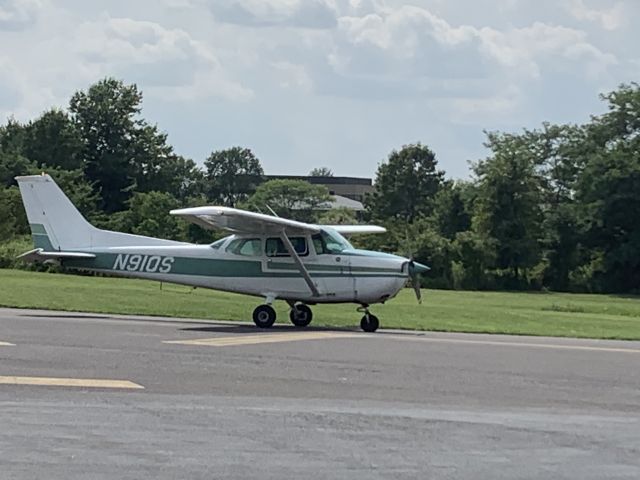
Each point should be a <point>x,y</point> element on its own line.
<point>96,396</point>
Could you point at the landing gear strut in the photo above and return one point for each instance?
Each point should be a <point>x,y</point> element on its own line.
<point>369,322</point>
<point>300,315</point>
<point>264,316</point>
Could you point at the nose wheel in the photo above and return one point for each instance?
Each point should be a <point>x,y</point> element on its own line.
<point>300,315</point>
<point>369,322</point>
<point>264,316</point>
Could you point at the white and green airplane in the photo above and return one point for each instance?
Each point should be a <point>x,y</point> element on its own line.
<point>266,256</point>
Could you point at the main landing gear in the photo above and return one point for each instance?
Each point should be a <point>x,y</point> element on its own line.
<point>264,316</point>
<point>300,315</point>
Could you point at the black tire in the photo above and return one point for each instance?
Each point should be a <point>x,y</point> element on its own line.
<point>369,323</point>
<point>300,315</point>
<point>264,316</point>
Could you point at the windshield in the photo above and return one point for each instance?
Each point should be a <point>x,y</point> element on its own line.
<point>218,243</point>
<point>330,241</point>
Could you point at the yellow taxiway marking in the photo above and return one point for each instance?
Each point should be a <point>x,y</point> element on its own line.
<point>557,346</point>
<point>255,339</point>
<point>68,382</point>
<point>7,344</point>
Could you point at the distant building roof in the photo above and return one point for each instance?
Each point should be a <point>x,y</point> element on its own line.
<point>322,180</point>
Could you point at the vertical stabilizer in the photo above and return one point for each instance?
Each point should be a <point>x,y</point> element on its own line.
<point>56,224</point>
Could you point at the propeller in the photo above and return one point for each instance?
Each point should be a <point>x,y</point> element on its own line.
<point>414,270</point>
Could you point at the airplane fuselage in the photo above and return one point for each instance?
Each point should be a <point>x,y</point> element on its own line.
<point>349,275</point>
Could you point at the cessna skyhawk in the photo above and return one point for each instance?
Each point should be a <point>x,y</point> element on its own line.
<point>265,256</point>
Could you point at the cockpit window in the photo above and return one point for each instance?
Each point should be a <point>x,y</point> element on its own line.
<point>248,247</point>
<point>275,247</point>
<point>330,242</point>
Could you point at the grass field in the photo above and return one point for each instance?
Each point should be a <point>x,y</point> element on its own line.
<point>553,314</point>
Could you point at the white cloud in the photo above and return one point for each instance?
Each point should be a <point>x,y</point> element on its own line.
<point>19,14</point>
<point>166,59</point>
<point>472,110</point>
<point>527,48</point>
<point>609,18</point>
<point>266,13</point>
<point>293,76</point>
<point>415,34</point>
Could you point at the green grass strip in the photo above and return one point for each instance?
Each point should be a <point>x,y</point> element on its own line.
<point>550,314</point>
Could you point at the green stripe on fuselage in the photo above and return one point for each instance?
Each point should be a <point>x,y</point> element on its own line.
<point>331,268</point>
<point>215,267</point>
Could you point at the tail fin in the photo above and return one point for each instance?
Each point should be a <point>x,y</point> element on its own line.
<point>57,225</point>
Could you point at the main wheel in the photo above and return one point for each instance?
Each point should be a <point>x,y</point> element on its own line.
<point>300,315</point>
<point>369,323</point>
<point>264,316</point>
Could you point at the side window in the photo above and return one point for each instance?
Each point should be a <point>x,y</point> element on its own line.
<point>275,247</point>
<point>319,245</point>
<point>249,247</point>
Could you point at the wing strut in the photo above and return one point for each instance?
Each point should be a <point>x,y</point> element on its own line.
<point>301,267</point>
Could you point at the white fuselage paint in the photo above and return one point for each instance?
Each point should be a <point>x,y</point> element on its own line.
<point>351,276</point>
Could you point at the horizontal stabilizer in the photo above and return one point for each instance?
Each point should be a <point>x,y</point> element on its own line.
<point>39,255</point>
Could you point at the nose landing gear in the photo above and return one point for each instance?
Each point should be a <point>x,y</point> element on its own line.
<point>369,322</point>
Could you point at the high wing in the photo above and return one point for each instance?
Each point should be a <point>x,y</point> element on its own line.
<point>242,221</point>
<point>355,229</point>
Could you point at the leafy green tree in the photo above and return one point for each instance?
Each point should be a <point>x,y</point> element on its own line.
<point>12,137</point>
<point>338,216</point>
<point>452,208</point>
<point>121,152</point>
<point>13,164</point>
<point>562,150</point>
<point>473,255</point>
<point>295,199</point>
<point>53,140</point>
<point>148,214</point>
<point>406,184</point>
<point>12,160</point>
<point>321,172</point>
<point>105,116</point>
<point>158,168</point>
<point>608,194</point>
<point>232,175</point>
<point>13,219</point>
<point>508,207</point>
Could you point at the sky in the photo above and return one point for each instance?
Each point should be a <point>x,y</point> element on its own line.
<point>334,83</point>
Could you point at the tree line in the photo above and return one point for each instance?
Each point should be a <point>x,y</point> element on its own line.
<point>557,207</point>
